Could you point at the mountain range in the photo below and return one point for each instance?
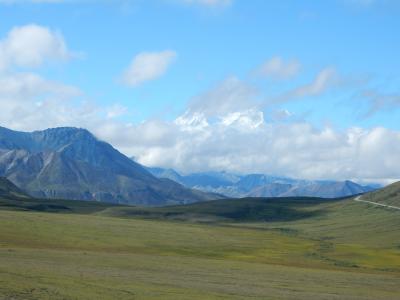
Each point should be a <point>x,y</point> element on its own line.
<point>71,163</point>
<point>262,185</point>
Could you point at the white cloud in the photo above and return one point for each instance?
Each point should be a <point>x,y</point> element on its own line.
<point>147,66</point>
<point>192,121</point>
<point>29,85</point>
<point>244,120</point>
<point>28,101</point>
<point>276,68</point>
<point>224,130</point>
<point>281,115</point>
<point>31,46</point>
<point>324,80</point>
<point>229,96</point>
<point>115,111</point>
<point>379,101</point>
<point>245,142</point>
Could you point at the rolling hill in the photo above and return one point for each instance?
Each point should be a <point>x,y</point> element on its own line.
<point>71,163</point>
<point>252,248</point>
<point>390,195</point>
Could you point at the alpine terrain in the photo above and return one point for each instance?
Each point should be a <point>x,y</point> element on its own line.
<point>262,185</point>
<point>71,163</point>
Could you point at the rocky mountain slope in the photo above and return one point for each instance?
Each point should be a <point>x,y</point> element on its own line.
<point>71,163</point>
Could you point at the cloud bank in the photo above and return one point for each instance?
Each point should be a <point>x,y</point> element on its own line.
<point>246,142</point>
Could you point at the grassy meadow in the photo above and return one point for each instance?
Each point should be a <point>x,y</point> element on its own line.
<point>294,248</point>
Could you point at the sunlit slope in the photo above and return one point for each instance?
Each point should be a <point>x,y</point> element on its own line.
<point>348,221</point>
<point>342,220</point>
<point>365,235</point>
<point>390,195</point>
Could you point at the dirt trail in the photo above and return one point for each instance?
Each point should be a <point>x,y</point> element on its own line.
<point>358,199</point>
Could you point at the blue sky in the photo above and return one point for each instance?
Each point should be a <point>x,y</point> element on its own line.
<point>331,65</point>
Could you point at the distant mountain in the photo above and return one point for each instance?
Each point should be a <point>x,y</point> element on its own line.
<point>166,173</point>
<point>316,189</point>
<point>249,182</point>
<point>212,179</point>
<point>71,163</point>
<point>262,185</point>
<point>271,190</point>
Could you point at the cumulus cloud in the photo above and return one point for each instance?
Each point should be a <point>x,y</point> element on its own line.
<point>225,129</point>
<point>246,142</point>
<point>30,101</point>
<point>147,66</point>
<point>27,100</point>
<point>277,68</point>
<point>116,111</point>
<point>31,46</point>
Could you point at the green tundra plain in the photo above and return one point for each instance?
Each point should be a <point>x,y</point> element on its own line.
<point>287,248</point>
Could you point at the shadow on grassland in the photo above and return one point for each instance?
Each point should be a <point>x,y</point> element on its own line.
<point>239,210</point>
<point>233,210</point>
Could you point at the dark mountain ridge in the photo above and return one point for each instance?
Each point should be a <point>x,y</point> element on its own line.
<point>9,189</point>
